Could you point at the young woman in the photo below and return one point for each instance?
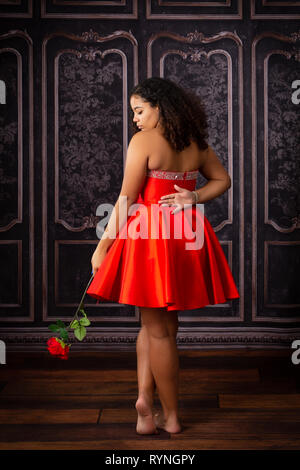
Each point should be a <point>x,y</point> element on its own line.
<point>159,273</point>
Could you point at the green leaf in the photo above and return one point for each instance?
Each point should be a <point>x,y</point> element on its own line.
<point>64,334</point>
<point>80,332</point>
<point>53,327</point>
<point>74,324</point>
<point>60,324</point>
<point>84,321</point>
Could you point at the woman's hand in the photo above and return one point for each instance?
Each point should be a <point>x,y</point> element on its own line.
<point>183,196</point>
<point>97,258</point>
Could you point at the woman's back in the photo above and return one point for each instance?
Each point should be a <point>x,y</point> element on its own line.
<point>163,157</point>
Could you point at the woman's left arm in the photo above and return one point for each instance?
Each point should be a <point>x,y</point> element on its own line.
<point>134,176</point>
<point>117,219</point>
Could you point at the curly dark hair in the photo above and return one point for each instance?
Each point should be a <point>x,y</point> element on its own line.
<point>182,114</point>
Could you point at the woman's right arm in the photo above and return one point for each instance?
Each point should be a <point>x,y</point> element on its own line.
<point>219,179</point>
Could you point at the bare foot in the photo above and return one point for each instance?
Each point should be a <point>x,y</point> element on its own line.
<point>158,418</point>
<point>172,425</point>
<point>145,422</point>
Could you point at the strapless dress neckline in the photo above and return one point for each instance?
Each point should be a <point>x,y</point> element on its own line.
<point>171,174</point>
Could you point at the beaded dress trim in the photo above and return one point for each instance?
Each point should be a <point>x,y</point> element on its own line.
<point>173,175</point>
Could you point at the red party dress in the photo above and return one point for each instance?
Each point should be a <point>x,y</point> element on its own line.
<point>176,260</point>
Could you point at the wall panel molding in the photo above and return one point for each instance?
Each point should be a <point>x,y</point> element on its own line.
<point>125,9</point>
<point>18,229</point>
<point>275,10</point>
<point>16,9</point>
<point>204,338</point>
<point>59,267</point>
<point>15,256</point>
<point>62,54</point>
<point>17,217</point>
<point>288,283</point>
<point>272,54</point>
<point>177,10</point>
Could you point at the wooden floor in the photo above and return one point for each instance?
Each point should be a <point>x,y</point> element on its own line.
<point>234,399</point>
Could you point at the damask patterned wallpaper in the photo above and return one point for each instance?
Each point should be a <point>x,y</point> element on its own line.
<point>66,71</point>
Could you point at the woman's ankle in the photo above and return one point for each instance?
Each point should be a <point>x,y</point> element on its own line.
<point>171,416</point>
<point>147,395</point>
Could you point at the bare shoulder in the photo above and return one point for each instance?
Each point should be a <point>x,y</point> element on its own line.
<point>137,141</point>
<point>142,136</point>
<point>151,133</point>
<point>145,138</point>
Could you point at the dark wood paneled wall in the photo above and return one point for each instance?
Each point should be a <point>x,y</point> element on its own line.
<point>66,70</point>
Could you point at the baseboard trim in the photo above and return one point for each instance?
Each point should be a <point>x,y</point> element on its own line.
<point>112,339</point>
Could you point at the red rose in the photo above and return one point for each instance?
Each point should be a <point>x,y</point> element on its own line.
<point>58,348</point>
<point>65,353</point>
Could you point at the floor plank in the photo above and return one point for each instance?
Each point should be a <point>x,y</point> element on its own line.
<point>273,444</point>
<point>127,375</point>
<point>74,432</point>
<point>261,401</point>
<point>122,401</point>
<point>96,387</point>
<point>188,415</point>
<point>46,416</point>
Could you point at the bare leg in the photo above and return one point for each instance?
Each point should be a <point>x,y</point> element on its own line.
<point>161,327</point>
<point>146,384</point>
